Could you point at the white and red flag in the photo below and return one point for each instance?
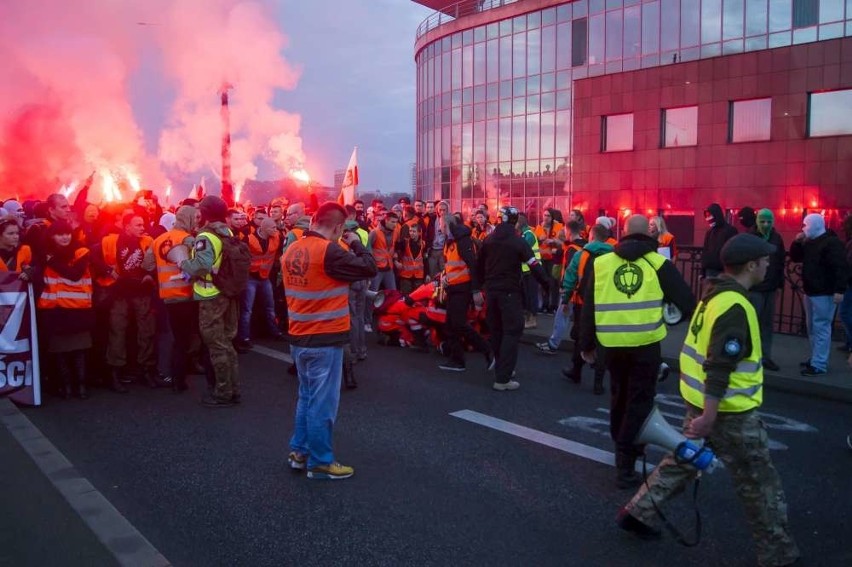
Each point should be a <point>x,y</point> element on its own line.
<point>350,181</point>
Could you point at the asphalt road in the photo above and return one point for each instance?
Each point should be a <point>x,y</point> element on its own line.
<point>211,487</point>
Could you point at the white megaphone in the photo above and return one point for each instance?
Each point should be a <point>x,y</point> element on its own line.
<point>671,314</point>
<point>657,431</point>
<point>377,297</point>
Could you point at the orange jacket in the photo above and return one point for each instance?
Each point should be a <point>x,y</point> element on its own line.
<point>172,285</point>
<point>261,262</point>
<point>317,304</point>
<point>64,293</point>
<point>23,258</point>
<point>548,251</point>
<point>455,267</point>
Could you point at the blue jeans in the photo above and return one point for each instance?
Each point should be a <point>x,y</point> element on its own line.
<point>560,324</point>
<point>320,372</point>
<point>846,316</point>
<point>261,289</point>
<point>819,310</point>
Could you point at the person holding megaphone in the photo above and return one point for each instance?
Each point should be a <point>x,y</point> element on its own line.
<point>722,384</point>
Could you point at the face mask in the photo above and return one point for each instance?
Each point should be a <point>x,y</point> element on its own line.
<point>710,219</point>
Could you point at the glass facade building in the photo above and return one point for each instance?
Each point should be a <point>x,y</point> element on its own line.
<point>494,86</point>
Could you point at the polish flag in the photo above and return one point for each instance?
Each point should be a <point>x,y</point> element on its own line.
<point>350,181</point>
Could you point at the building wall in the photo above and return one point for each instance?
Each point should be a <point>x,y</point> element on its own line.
<point>788,174</point>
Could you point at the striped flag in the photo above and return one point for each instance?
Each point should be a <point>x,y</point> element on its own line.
<point>350,181</point>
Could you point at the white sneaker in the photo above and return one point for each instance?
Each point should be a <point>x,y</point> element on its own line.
<point>368,328</point>
<point>510,385</point>
<point>545,348</point>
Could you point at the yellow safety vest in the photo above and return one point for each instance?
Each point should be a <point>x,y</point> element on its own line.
<point>204,288</point>
<point>628,300</point>
<point>535,248</point>
<point>745,389</point>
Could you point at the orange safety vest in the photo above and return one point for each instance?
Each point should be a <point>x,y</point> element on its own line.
<point>381,251</point>
<point>455,267</point>
<point>261,262</point>
<point>412,266</point>
<point>23,258</point>
<point>317,303</point>
<point>109,249</point>
<point>64,293</point>
<point>667,240</point>
<point>567,247</point>
<point>171,283</point>
<point>547,252</point>
<point>576,296</point>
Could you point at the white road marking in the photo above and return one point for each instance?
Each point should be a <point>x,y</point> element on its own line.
<point>546,439</point>
<point>119,536</point>
<point>272,353</point>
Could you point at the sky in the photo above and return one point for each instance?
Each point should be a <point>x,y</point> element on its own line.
<point>126,93</point>
<point>357,86</point>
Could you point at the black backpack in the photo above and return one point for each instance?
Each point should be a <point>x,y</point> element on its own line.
<point>232,277</point>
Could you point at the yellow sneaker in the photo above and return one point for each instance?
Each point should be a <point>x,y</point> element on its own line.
<point>334,471</point>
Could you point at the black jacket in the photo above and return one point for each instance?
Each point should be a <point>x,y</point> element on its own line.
<point>632,247</point>
<point>715,238</point>
<point>824,269</point>
<point>775,272</point>
<point>500,259</point>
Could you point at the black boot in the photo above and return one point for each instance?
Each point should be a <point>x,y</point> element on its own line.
<point>626,475</point>
<point>599,379</point>
<point>79,367</point>
<point>349,375</point>
<point>154,380</point>
<point>115,383</point>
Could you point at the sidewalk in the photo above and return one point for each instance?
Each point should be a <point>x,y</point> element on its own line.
<point>787,351</point>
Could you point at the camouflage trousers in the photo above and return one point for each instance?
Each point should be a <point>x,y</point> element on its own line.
<point>217,324</point>
<point>740,441</point>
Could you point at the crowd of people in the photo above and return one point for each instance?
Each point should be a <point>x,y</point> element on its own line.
<point>110,281</point>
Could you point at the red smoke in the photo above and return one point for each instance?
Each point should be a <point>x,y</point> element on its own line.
<point>69,69</point>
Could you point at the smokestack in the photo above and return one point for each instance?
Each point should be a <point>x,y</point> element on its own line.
<point>227,184</point>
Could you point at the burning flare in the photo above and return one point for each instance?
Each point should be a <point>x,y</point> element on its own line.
<point>300,174</point>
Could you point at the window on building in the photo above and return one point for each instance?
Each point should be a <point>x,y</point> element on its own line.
<point>830,114</point>
<point>750,120</point>
<point>805,13</point>
<point>680,127</point>
<point>579,41</point>
<point>617,133</point>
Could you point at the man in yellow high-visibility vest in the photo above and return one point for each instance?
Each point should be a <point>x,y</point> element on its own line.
<point>722,383</point>
<point>623,314</point>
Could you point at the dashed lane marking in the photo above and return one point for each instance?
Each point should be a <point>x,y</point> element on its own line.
<point>119,536</point>
<point>536,436</point>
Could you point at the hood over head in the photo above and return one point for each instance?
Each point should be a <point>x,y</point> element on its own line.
<point>634,246</point>
<point>185,218</point>
<point>714,215</point>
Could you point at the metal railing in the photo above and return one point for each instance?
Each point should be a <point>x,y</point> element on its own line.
<point>456,11</point>
<point>789,311</point>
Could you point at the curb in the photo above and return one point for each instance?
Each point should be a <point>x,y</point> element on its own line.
<point>775,382</point>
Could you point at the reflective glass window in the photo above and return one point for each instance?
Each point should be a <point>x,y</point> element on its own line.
<point>533,104</point>
<point>457,37</point>
<point>617,133</point>
<point>690,22</point>
<point>563,13</point>
<point>756,43</point>
<point>732,19</point>
<point>533,52</point>
<point>548,102</point>
<point>506,57</point>
<point>492,91</point>
<point>491,140</point>
<point>597,39</point>
<point>756,15</point>
<point>518,130</point>
<point>548,49</point>
<point>519,105</point>
<point>579,41</point>
<point>563,80</point>
<point>563,134</point>
<point>519,87</point>
<point>532,135</point>
<point>805,35</point>
<point>505,89</point>
<point>563,46</point>
<point>650,28</point>
<point>632,32</point>
<point>614,36</point>
<point>831,31</point>
<point>547,82</point>
<point>445,72</point>
<point>457,68</point>
<point>493,30</point>
<point>711,21</point>
<point>548,16</point>
<point>467,95</point>
<point>533,84</point>
<point>505,140</point>
<point>479,34</point>
<point>751,120</point>
<point>563,100</point>
<point>780,15</point>
<point>505,107</point>
<point>669,25</point>
<point>680,127</point>
<point>805,13</point>
<point>533,20</point>
<point>505,28</point>
<point>467,37</point>
<point>493,61</point>
<point>519,24</point>
<point>547,133</point>
<point>467,65</point>
<point>830,114</point>
<point>479,64</point>
<point>779,39</point>
<point>831,11</point>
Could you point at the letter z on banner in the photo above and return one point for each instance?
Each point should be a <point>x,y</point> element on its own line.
<point>19,369</point>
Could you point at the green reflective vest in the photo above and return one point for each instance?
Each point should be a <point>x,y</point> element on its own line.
<point>204,288</point>
<point>525,268</point>
<point>745,389</point>
<point>628,301</point>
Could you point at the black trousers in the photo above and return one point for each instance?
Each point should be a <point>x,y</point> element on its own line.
<point>506,323</point>
<point>458,300</point>
<point>633,378</point>
<point>183,319</point>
